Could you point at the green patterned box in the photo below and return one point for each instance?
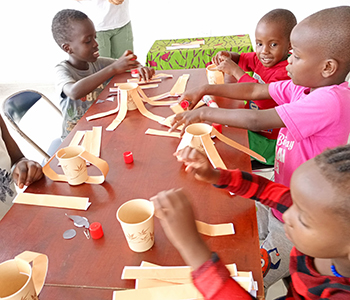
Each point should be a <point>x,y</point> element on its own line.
<point>161,59</point>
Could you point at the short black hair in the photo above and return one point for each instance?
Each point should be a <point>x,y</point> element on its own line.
<point>283,17</point>
<point>62,24</point>
<point>331,30</point>
<point>334,165</point>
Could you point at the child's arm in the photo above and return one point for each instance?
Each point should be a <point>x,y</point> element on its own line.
<point>26,171</point>
<point>210,276</point>
<point>84,86</point>
<point>241,91</point>
<point>241,183</point>
<point>254,120</point>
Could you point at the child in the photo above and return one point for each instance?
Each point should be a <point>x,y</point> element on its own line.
<point>268,64</point>
<point>82,77</point>
<point>316,213</point>
<point>25,171</point>
<point>313,111</point>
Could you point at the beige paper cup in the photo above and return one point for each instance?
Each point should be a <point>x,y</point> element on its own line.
<point>136,218</point>
<point>73,166</point>
<point>18,281</point>
<point>192,136</point>
<point>124,92</point>
<point>214,75</point>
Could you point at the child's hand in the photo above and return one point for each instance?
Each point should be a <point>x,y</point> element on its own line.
<point>126,62</point>
<point>228,66</point>
<point>26,172</point>
<point>186,118</point>
<point>176,217</point>
<point>198,164</point>
<point>146,73</point>
<point>192,96</point>
<point>220,56</point>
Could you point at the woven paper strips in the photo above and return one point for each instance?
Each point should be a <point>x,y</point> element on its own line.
<point>131,97</point>
<point>155,282</point>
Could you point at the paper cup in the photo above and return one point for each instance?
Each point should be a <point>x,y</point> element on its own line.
<point>125,88</point>
<point>192,136</point>
<point>214,75</point>
<point>136,218</point>
<point>19,281</point>
<point>73,166</point>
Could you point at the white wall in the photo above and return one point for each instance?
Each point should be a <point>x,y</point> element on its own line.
<point>29,53</point>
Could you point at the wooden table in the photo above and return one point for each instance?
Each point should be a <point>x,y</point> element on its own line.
<point>159,58</point>
<point>79,265</point>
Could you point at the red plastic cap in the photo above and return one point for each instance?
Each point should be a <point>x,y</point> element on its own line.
<point>96,231</point>
<point>184,104</point>
<point>134,71</point>
<point>128,158</point>
<point>218,127</point>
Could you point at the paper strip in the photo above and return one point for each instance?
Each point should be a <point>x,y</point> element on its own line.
<point>216,229</point>
<point>136,80</point>
<point>95,148</point>
<point>122,111</point>
<point>77,138</point>
<point>211,151</point>
<point>167,122</point>
<point>53,201</point>
<point>180,85</point>
<point>236,145</point>
<point>177,108</point>
<point>167,273</point>
<point>163,75</point>
<point>104,114</point>
<point>176,292</point>
<point>148,86</point>
<point>87,140</point>
<point>162,133</point>
<point>142,109</point>
<point>154,103</point>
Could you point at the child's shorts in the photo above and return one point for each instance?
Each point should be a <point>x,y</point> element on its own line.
<point>263,146</point>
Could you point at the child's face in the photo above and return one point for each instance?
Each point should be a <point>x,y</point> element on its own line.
<point>313,228</point>
<point>305,64</point>
<point>271,45</point>
<point>83,46</point>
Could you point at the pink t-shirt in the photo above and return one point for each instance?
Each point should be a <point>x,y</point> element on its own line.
<point>314,121</point>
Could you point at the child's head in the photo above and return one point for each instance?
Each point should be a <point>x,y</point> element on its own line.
<point>272,36</point>
<point>75,33</point>
<point>321,48</point>
<point>318,221</point>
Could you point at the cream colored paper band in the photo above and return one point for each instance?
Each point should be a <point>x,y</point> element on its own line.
<point>136,80</point>
<point>236,145</point>
<point>39,267</point>
<point>211,152</point>
<point>53,201</point>
<point>166,273</point>
<point>162,133</point>
<point>216,229</point>
<point>103,114</point>
<point>77,138</point>
<point>122,111</point>
<point>154,103</point>
<point>180,85</point>
<point>177,292</point>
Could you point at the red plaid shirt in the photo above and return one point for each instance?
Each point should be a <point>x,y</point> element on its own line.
<point>213,280</point>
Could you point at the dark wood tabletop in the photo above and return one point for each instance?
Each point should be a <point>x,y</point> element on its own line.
<point>80,265</point>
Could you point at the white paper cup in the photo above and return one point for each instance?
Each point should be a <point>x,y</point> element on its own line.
<point>136,218</point>
<point>214,75</point>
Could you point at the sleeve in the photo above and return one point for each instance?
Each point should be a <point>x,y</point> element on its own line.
<point>62,77</point>
<point>247,78</point>
<point>257,188</point>
<point>213,280</point>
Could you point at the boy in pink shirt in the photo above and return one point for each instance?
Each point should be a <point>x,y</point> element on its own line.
<point>268,64</point>
<point>313,112</point>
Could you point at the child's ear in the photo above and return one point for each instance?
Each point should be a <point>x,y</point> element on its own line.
<point>290,46</point>
<point>330,67</point>
<point>66,48</point>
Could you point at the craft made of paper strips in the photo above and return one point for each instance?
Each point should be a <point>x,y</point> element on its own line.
<point>73,162</point>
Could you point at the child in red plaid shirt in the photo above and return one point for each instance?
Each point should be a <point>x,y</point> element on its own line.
<point>315,209</point>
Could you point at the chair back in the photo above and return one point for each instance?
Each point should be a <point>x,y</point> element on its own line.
<point>15,108</point>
